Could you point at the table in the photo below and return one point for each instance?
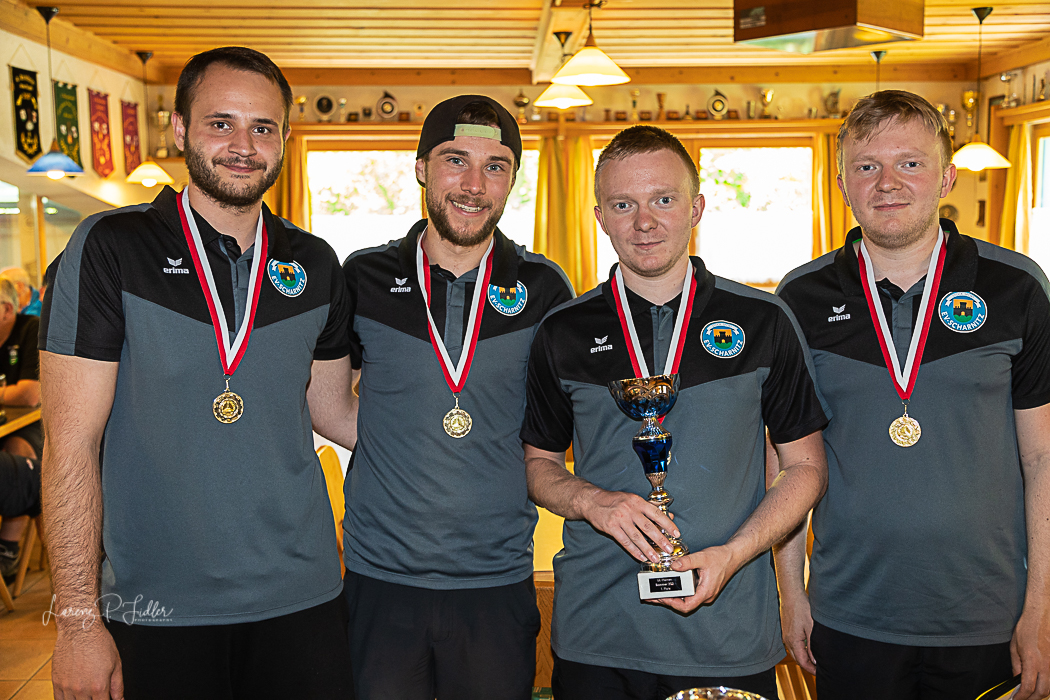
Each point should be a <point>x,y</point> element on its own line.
<point>18,417</point>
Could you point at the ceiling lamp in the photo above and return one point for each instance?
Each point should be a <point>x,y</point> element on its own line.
<point>590,66</point>
<point>55,164</point>
<point>977,155</point>
<point>148,174</point>
<point>563,97</point>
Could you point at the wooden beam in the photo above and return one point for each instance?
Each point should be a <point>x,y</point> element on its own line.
<point>1032,52</point>
<point>915,72</point>
<point>26,22</point>
<point>645,76</point>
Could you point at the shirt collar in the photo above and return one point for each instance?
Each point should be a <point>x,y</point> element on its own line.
<point>279,246</point>
<point>960,262</point>
<point>504,256</point>
<point>705,286</point>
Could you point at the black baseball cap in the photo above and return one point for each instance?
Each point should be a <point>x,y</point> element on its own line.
<point>440,125</point>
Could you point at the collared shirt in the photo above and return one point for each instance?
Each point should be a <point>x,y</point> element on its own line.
<point>422,508</point>
<point>925,545</point>
<point>744,368</point>
<point>217,523</point>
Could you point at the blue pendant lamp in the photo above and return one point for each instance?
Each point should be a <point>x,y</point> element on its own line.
<point>54,164</point>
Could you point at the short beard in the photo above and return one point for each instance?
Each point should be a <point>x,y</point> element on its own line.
<point>443,226</point>
<point>898,240</point>
<point>206,177</point>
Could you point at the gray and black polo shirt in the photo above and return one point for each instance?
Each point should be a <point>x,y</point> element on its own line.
<point>424,509</point>
<point>744,367</point>
<point>925,545</point>
<point>215,523</point>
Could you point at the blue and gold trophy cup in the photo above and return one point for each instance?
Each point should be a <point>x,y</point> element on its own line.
<point>647,399</point>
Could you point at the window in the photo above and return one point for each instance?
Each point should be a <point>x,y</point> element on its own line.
<point>1039,221</point>
<point>361,199</point>
<point>758,221</point>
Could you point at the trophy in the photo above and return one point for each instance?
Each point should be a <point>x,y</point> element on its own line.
<point>970,100</point>
<point>720,693</point>
<point>634,104</point>
<point>767,100</point>
<point>163,120</point>
<point>521,102</point>
<point>646,399</point>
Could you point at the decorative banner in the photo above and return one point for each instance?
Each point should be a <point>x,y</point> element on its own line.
<point>129,116</point>
<point>101,150</point>
<point>67,121</point>
<point>27,117</point>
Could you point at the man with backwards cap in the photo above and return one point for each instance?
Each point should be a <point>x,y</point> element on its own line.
<point>438,528</point>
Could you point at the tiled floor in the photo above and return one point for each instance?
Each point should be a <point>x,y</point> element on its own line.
<point>26,644</point>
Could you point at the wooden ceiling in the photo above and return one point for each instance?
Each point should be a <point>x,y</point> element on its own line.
<point>427,41</point>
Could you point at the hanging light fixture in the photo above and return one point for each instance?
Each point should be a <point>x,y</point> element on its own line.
<point>563,96</point>
<point>148,174</point>
<point>977,155</point>
<point>54,164</point>
<point>590,66</point>
<point>878,56</point>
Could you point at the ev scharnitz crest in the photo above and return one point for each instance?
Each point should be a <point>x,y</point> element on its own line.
<point>289,278</point>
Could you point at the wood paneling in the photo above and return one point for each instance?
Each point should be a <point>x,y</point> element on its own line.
<point>654,40</point>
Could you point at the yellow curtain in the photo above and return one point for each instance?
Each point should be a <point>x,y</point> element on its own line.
<point>832,218</point>
<point>289,197</point>
<point>1017,201</point>
<point>565,228</point>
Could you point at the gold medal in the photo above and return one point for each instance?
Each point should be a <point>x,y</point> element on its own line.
<point>905,431</point>
<point>228,407</point>
<point>457,422</point>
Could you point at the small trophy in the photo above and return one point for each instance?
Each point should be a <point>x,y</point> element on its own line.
<point>720,693</point>
<point>521,102</point>
<point>163,119</point>
<point>634,104</point>
<point>767,101</point>
<point>646,399</point>
<point>970,100</point>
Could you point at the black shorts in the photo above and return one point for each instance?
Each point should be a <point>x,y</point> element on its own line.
<point>575,681</point>
<point>19,486</point>
<point>414,643</point>
<point>299,655</point>
<point>33,434</point>
<point>854,668</point>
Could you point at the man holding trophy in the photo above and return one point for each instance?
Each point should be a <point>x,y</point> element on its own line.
<point>717,363</point>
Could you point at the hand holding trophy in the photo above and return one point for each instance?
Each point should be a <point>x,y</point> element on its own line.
<point>646,399</point>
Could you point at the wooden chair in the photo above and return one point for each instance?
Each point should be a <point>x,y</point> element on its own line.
<point>35,527</point>
<point>5,594</point>
<point>544,581</point>
<point>333,477</point>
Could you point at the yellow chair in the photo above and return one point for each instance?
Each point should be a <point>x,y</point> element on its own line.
<point>35,527</point>
<point>333,477</point>
<point>5,595</point>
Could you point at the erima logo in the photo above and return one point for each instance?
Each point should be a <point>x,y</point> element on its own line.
<point>400,281</point>
<point>175,269</point>
<point>601,345</point>
<point>839,316</point>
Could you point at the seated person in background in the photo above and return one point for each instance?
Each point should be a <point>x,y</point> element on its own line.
<point>19,501</point>
<point>20,363</point>
<point>19,468</point>
<point>28,298</point>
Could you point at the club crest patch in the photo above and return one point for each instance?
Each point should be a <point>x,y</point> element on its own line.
<point>962,312</point>
<point>508,300</point>
<point>723,339</point>
<point>288,277</point>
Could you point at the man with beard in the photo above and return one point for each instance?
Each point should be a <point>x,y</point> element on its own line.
<point>438,527</point>
<point>929,573</point>
<point>187,332</point>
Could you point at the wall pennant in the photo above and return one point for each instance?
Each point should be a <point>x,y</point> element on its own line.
<point>67,120</point>
<point>129,113</point>
<point>27,114</point>
<point>101,149</point>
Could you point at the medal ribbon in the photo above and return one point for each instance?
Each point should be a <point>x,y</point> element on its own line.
<point>229,354</point>
<point>681,324</point>
<point>455,375</point>
<point>903,381</point>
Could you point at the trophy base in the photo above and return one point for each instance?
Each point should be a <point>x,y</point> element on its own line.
<point>666,584</point>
